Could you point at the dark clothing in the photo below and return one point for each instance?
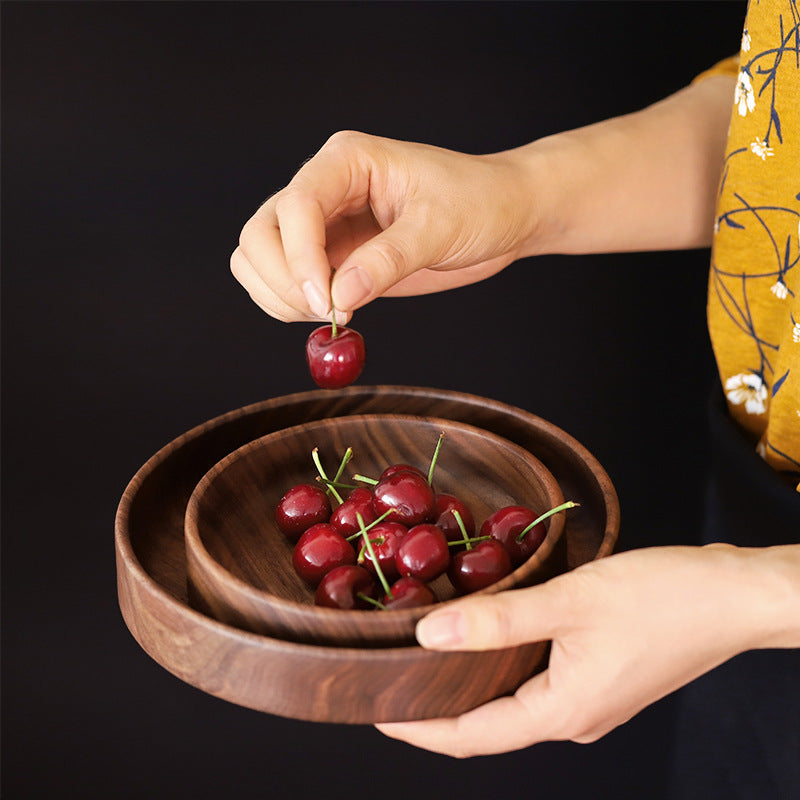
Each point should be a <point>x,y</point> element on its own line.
<point>738,729</point>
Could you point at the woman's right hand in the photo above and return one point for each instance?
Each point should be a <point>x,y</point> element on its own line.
<point>385,218</point>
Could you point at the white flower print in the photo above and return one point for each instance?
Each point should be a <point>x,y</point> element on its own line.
<point>796,333</point>
<point>761,149</point>
<point>746,41</point>
<point>779,289</point>
<point>745,97</point>
<point>749,389</point>
<point>761,449</point>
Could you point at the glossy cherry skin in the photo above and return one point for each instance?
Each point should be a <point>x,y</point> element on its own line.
<point>301,507</point>
<point>507,523</point>
<point>342,585</point>
<point>385,538</point>
<point>344,518</point>
<point>408,493</point>
<point>483,565</point>
<point>335,361</point>
<point>443,507</point>
<point>423,553</point>
<point>402,468</point>
<point>318,551</point>
<point>409,593</point>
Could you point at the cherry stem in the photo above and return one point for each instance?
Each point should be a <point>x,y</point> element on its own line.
<point>376,603</point>
<point>465,538</point>
<point>318,465</point>
<point>371,552</point>
<point>334,332</point>
<point>337,484</point>
<point>378,540</point>
<point>381,518</point>
<point>469,542</point>
<point>348,454</point>
<point>434,459</point>
<point>365,479</point>
<point>562,507</point>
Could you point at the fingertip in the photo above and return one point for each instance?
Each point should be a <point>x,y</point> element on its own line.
<point>351,288</point>
<point>445,630</point>
<point>317,302</point>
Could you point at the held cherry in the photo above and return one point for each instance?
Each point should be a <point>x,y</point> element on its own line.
<point>345,587</point>
<point>409,593</point>
<point>423,553</point>
<point>335,356</point>
<point>318,551</point>
<point>408,493</point>
<point>483,565</point>
<point>301,507</point>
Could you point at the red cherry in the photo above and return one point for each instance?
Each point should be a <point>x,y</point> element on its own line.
<point>443,507</point>
<point>344,518</point>
<point>423,553</point>
<point>507,523</point>
<point>408,494</point>
<point>341,588</point>
<point>409,593</point>
<point>385,538</point>
<point>402,468</point>
<point>335,361</point>
<point>318,551</point>
<point>301,507</point>
<point>483,565</point>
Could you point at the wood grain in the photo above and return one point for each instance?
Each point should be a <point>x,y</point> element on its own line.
<point>259,672</point>
<point>240,565</point>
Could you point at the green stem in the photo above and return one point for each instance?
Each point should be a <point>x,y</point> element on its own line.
<point>348,454</point>
<point>469,542</point>
<point>365,479</point>
<point>434,459</point>
<point>334,484</point>
<point>376,603</point>
<point>318,465</point>
<point>375,563</point>
<point>381,518</point>
<point>333,321</point>
<point>465,540</point>
<point>562,507</point>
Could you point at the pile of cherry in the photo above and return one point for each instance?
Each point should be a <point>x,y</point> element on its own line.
<point>382,545</point>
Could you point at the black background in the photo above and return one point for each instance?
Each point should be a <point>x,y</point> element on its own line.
<point>137,139</point>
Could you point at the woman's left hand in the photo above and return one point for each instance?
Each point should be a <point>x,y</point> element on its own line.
<point>626,630</point>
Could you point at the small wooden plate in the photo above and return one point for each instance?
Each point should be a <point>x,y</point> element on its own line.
<point>329,684</point>
<point>240,564</point>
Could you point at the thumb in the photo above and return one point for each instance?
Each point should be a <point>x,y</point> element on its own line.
<point>491,622</point>
<point>378,264</point>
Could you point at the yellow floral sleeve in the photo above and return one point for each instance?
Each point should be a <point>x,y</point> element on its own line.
<point>754,280</point>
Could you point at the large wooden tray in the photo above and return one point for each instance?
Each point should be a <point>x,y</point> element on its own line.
<point>316,682</point>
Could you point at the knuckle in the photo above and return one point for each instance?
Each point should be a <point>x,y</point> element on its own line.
<point>344,139</point>
<point>393,258</point>
<point>248,234</point>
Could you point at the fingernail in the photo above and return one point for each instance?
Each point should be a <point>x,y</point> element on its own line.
<point>316,302</point>
<point>341,317</point>
<point>442,630</point>
<point>352,287</point>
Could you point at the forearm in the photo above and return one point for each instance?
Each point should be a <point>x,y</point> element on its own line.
<point>644,181</point>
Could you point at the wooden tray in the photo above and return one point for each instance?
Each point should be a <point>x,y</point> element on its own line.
<point>316,682</point>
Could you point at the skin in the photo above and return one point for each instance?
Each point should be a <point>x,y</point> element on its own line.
<point>368,217</point>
